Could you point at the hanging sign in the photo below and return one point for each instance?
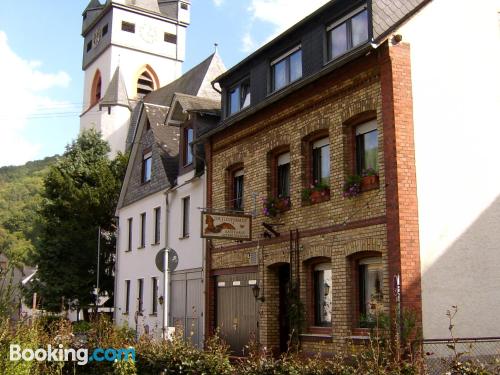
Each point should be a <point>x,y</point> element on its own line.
<point>226,226</point>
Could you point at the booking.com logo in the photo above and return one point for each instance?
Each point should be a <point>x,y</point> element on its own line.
<point>61,354</point>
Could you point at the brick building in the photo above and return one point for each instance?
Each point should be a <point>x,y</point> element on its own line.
<point>316,142</point>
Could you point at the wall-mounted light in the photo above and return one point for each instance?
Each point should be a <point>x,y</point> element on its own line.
<point>160,300</point>
<point>256,293</point>
<point>327,289</point>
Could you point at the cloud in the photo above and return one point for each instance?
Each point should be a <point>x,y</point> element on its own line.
<point>22,95</point>
<point>218,3</point>
<point>282,14</point>
<point>248,44</point>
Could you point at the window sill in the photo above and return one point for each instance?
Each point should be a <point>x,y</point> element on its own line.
<point>153,315</point>
<point>306,203</point>
<point>184,237</point>
<point>128,251</point>
<point>155,244</point>
<point>145,182</point>
<point>141,248</point>
<point>368,184</point>
<point>315,337</point>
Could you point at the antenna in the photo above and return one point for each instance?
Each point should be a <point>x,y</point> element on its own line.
<point>216,47</point>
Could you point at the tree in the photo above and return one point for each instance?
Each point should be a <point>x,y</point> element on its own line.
<point>80,195</point>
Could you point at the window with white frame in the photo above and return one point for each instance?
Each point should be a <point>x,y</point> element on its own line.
<point>185,216</point>
<point>370,284</point>
<point>239,97</point>
<point>143,231</point>
<point>322,285</point>
<point>347,33</point>
<point>154,295</point>
<point>321,161</point>
<point>367,147</point>
<point>286,68</point>
<point>283,175</point>
<point>147,161</point>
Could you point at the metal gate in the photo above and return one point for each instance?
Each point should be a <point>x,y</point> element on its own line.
<point>186,305</point>
<point>237,310</point>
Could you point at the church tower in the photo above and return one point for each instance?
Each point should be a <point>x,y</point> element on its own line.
<point>131,47</point>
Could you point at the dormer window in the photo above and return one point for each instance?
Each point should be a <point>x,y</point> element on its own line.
<point>239,97</point>
<point>187,151</point>
<point>147,160</point>
<point>347,33</point>
<point>287,68</point>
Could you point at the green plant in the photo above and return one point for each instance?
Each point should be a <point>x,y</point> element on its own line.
<point>276,205</point>
<point>318,187</point>
<point>352,186</point>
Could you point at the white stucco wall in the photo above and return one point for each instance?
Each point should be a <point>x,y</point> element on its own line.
<point>190,248</point>
<point>455,57</point>
<point>140,263</point>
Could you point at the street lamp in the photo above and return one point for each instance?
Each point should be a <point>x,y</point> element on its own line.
<point>256,293</point>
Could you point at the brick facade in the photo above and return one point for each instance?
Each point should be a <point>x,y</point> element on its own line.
<point>338,230</point>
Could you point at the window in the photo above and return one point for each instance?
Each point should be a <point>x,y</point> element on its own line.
<point>286,68</point>
<point>370,280</point>
<point>129,243</point>
<point>146,167</point>
<point>89,46</point>
<point>321,161</point>
<point>105,30</point>
<point>170,38</point>
<point>95,94</point>
<point>157,225</point>
<point>154,295</point>
<point>239,97</point>
<point>187,147</point>
<point>128,27</point>
<point>348,33</point>
<point>322,286</point>
<point>127,296</point>
<point>185,217</point>
<point>238,190</point>
<point>140,294</point>
<point>184,6</point>
<point>366,147</point>
<point>283,175</point>
<point>143,231</point>
<point>145,84</point>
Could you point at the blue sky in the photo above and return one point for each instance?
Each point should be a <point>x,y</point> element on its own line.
<point>41,52</point>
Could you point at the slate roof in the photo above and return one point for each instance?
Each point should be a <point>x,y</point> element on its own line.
<point>93,5</point>
<point>194,82</point>
<point>388,14</point>
<point>116,93</point>
<point>182,104</point>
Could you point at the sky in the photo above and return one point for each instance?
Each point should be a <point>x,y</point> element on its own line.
<point>41,79</point>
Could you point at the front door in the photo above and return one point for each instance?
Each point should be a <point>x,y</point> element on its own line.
<point>236,310</point>
<point>284,320</point>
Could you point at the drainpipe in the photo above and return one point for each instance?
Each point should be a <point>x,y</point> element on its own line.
<point>204,276</point>
<point>117,267</point>
<point>166,292</point>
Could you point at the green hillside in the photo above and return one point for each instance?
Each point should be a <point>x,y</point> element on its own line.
<point>20,189</point>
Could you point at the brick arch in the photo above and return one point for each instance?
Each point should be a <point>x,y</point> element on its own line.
<point>321,124</point>
<point>319,251</point>
<point>363,245</point>
<point>357,107</point>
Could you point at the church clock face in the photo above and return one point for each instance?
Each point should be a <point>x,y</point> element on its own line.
<point>148,33</point>
<point>96,38</point>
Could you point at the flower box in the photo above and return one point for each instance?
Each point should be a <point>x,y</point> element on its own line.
<point>273,206</point>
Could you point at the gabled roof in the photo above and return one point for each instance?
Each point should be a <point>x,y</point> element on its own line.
<point>182,104</point>
<point>155,107</point>
<point>196,81</point>
<point>93,5</point>
<point>116,93</point>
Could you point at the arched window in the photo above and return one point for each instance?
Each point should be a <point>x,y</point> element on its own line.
<point>96,91</point>
<point>145,84</point>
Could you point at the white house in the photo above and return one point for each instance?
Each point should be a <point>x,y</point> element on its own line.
<point>159,205</point>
